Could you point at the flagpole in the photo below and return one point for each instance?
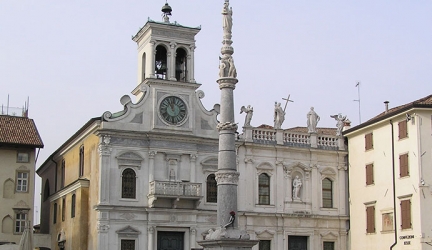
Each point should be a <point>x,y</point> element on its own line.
<point>358,100</point>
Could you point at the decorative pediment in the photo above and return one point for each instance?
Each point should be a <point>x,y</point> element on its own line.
<point>128,232</point>
<point>265,234</point>
<point>210,164</point>
<point>21,205</point>
<point>264,166</point>
<point>329,235</point>
<point>327,171</point>
<point>297,164</point>
<point>129,159</point>
<point>23,168</point>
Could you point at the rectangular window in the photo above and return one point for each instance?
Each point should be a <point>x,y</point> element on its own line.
<point>403,165</point>
<point>406,214</point>
<point>127,245</point>
<point>23,157</point>
<point>387,222</point>
<point>264,189</point>
<point>73,204</point>
<point>328,245</point>
<point>403,131</point>
<point>370,219</point>
<point>369,174</point>
<point>369,141</point>
<point>264,245</point>
<point>327,193</point>
<point>63,174</point>
<point>20,220</point>
<point>81,161</point>
<point>22,181</point>
<point>55,213</point>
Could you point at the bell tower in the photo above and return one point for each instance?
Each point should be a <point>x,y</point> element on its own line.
<point>166,50</point>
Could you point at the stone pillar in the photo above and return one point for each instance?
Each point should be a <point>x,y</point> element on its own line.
<point>192,237</point>
<point>150,237</point>
<point>306,193</point>
<point>151,165</point>
<point>172,62</point>
<point>249,185</point>
<point>152,59</point>
<point>192,167</point>
<point>341,184</point>
<point>105,166</point>
<point>191,65</point>
<point>341,143</point>
<point>288,183</point>
<point>316,182</point>
<point>102,232</point>
<point>279,182</point>
<point>248,133</point>
<point>279,136</point>
<point>313,140</point>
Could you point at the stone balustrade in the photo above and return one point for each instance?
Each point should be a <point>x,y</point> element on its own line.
<point>170,188</point>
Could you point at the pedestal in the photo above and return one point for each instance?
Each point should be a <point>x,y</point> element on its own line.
<point>227,239</point>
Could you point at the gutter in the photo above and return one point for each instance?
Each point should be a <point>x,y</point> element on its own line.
<point>394,186</point>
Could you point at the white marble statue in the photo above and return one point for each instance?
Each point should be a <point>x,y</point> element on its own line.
<point>232,71</point>
<point>340,123</point>
<point>222,67</point>
<point>279,116</point>
<point>297,183</point>
<point>249,114</point>
<point>227,18</point>
<point>312,120</point>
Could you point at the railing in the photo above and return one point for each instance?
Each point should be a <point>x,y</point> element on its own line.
<point>327,141</point>
<point>170,188</point>
<point>12,111</point>
<point>296,139</point>
<point>264,136</point>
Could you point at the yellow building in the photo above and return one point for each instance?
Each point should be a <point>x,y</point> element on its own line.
<point>19,140</point>
<point>390,178</point>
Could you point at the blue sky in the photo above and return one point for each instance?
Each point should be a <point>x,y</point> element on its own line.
<point>75,59</point>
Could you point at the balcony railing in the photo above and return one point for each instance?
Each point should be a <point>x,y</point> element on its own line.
<point>169,188</point>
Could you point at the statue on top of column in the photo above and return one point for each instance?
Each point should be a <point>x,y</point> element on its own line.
<point>227,18</point>
<point>279,116</point>
<point>312,120</point>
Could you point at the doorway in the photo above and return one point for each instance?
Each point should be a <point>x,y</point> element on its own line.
<point>170,240</point>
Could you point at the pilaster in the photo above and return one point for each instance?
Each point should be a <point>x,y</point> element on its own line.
<point>105,150</point>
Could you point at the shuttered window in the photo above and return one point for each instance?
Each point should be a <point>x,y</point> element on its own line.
<point>406,214</point>
<point>403,131</point>
<point>369,174</point>
<point>370,219</point>
<point>368,141</point>
<point>403,165</point>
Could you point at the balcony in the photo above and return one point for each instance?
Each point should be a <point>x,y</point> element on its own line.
<point>174,194</point>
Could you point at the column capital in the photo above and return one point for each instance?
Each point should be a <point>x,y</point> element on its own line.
<point>227,177</point>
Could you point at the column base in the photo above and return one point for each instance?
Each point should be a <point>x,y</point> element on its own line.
<point>227,239</point>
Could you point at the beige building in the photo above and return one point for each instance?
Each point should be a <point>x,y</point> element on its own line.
<point>19,140</point>
<point>391,178</point>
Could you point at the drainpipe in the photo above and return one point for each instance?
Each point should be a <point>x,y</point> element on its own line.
<point>394,186</point>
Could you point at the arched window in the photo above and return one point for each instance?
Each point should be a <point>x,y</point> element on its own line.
<point>161,67</point>
<point>181,65</point>
<point>264,189</point>
<point>73,203</point>
<point>211,188</point>
<point>128,184</point>
<point>327,193</point>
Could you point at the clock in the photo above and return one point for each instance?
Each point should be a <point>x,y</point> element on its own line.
<point>173,110</point>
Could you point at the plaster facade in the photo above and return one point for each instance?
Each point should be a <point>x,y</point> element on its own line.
<point>384,190</point>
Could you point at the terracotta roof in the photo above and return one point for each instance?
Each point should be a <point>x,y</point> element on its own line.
<point>19,131</point>
<point>420,102</point>
<point>320,131</point>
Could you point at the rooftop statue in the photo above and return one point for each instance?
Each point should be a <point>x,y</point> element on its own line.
<point>249,113</point>
<point>312,120</point>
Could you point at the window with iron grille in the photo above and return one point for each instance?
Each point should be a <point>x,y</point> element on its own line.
<point>127,245</point>
<point>328,245</point>
<point>263,189</point>
<point>129,184</point>
<point>327,193</point>
<point>211,188</point>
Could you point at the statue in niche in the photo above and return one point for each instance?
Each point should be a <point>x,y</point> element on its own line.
<point>249,113</point>
<point>297,183</point>
<point>279,116</point>
<point>312,120</point>
<point>340,123</point>
<point>227,18</point>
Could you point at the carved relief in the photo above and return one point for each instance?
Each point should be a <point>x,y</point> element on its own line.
<point>102,227</point>
<point>227,178</point>
<point>227,126</point>
<point>128,216</point>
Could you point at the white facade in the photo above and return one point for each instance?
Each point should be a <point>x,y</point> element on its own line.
<point>412,186</point>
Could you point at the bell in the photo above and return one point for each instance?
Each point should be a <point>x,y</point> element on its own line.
<point>166,9</point>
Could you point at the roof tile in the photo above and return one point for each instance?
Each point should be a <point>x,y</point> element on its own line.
<point>20,131</point>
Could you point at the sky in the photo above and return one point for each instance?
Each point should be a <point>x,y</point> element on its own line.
<point>74,60</point>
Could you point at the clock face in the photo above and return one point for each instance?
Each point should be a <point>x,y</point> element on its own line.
<point>173,110</point>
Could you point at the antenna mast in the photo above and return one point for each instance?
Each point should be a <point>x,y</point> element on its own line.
<point>358,100</point>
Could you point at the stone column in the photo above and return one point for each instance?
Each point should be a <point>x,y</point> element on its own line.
<point>313,140</point>
<point>288,183</point>
<point>150,237</point>
<point>279,136</point>
<point>105,166</point>
<point>172,62</point>
<point>191,65</point>
<point>152,59</point>
<point>279,182</point>
<point>151,165</point>
<point>193,158</point>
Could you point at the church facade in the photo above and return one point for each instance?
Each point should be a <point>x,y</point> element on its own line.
<point>144,177</point>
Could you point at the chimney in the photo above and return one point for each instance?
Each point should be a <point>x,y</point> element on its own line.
<point>386,106</point>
